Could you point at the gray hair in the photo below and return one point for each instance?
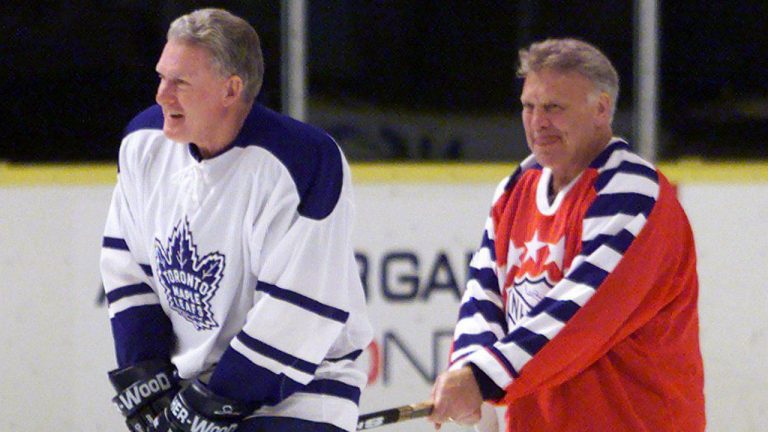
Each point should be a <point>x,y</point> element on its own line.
<point>233,44</point>
<point>566,55</point>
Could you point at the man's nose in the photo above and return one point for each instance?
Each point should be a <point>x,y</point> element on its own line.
<point>540,119</point>
<point>164,93</point>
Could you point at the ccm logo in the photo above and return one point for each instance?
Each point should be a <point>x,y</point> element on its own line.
<point>134,395</point>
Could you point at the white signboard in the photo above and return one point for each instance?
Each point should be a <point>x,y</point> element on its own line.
<point>412,244</point>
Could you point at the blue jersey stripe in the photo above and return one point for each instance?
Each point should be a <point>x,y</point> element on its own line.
<point>559,309</point>
<point>127,291</point>
<point>246,381</point>
<point>142,333</point>
<point>588,247</point>
<point>624,203</point>
<point>275,354</point>
<point>483,339</point>
<point>485,277</point>
<point>588,274</point>
<point>487,309</point>
<point>333,388</point>
<point>621,241</point>
<point>303,302</point>
<point>628,168</point>
<point>114,243</point>
<point>490,244</point>
<point>147,269</point>
<point>529,341</point>
<point>603,157</point>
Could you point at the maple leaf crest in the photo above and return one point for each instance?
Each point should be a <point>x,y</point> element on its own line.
<point>189,281</point>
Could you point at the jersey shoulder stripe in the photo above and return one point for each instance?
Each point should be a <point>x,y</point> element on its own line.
<point>311,156</point>
<point>150,118</point>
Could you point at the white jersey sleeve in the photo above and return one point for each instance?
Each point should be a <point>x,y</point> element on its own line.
<point>306,313</point>
<point>140,328</point>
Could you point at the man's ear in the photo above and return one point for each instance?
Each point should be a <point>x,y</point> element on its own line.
<point>234,90</point>
<point>604,108</point>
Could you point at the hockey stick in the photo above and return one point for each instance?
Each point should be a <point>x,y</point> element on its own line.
<point>394,415</point>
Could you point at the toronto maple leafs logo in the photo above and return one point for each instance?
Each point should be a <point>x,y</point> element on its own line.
<point>189,281</point>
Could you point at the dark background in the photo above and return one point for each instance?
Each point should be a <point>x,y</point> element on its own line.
<point>73,73</point>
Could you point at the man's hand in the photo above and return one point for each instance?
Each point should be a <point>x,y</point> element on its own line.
<point>456,397</point>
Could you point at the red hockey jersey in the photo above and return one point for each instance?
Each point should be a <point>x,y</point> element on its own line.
<point>584,309</point>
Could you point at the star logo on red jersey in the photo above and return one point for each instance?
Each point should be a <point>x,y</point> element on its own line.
<point>556,252</point>
<point>553,253</point>
<point>533,247</point>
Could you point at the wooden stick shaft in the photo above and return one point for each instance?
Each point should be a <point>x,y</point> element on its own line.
<point>394,415</point>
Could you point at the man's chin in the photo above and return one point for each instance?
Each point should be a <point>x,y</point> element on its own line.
<point>174,135</point>
<point>543,156</point>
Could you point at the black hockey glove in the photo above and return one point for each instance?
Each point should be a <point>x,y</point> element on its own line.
<point>143,391</point>
<point>195,408</point>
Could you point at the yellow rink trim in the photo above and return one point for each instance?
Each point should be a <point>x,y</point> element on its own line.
<point>53,174</point>
<point>687,171</point>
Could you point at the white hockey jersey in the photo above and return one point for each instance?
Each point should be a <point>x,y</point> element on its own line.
<point>241,265</point>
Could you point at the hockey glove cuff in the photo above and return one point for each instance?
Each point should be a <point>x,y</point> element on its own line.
<point>143,391</point>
